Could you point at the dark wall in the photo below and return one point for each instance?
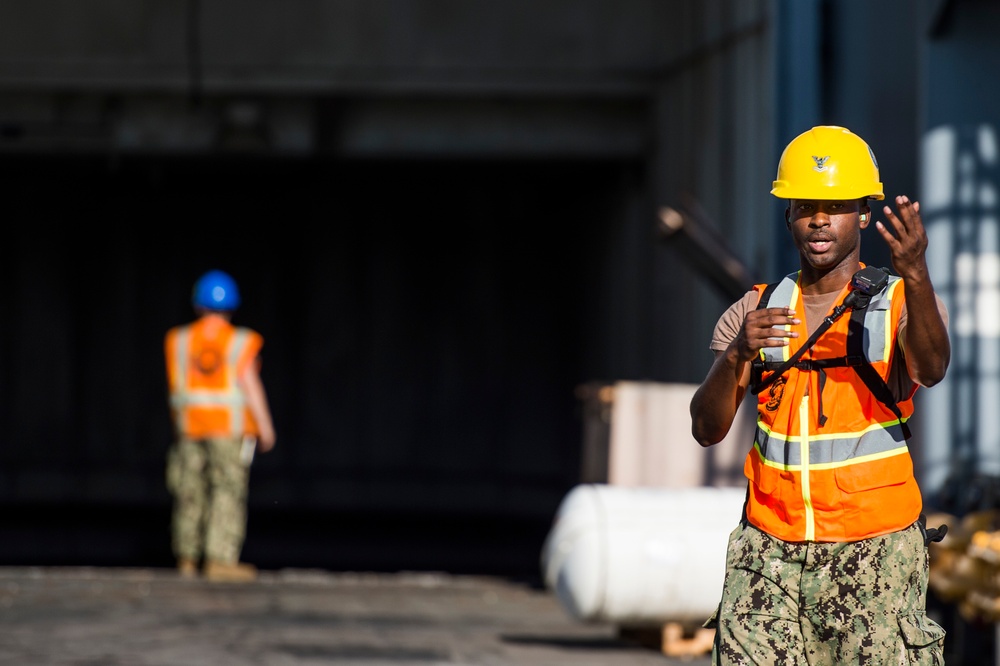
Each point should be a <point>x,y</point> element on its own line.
<point>425,324</point>
<point>478,238</point>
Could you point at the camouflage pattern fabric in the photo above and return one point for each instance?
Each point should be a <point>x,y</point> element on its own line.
<point>826,604</point>
<point>209,484</point>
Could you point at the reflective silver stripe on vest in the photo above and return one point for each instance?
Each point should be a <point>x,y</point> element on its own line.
<point>232,400</point>
<point>236,346</point>
<point>877,323</point>
<point>782,296</point>
<point>178,394</point>
<point>878,439</point>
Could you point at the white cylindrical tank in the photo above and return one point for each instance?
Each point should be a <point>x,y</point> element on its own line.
<point>640,555</point>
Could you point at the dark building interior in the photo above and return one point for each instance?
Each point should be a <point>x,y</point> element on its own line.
<point>426,325</point>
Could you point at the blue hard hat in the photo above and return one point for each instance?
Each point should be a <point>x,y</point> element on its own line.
<point>216,290</point>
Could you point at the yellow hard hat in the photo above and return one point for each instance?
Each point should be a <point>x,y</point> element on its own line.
<point>827,162</point>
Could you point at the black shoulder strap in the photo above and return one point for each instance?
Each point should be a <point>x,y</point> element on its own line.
<point>765,295</point>
<point>867,373</point>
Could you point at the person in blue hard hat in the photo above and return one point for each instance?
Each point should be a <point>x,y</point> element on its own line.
<point>221,417</point>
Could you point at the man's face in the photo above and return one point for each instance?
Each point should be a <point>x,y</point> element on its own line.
<point>825,231</point>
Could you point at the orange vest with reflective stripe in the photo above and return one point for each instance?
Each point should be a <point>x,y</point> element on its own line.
<point>204,360</point>
<point>851,478</point>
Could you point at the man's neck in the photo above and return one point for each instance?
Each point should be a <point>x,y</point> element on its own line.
<point>813,281</point>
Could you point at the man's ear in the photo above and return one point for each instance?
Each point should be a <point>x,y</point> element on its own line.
<point>866,215</point>
<point>788,217</point>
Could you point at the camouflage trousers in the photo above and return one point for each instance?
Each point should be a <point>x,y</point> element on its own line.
<point>826,604</point>
<point>208,482</point>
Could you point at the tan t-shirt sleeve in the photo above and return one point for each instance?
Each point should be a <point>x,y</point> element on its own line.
<point>731,320</point>
<point>899,379</point>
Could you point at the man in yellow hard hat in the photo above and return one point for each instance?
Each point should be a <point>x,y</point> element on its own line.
<point>829,562</point>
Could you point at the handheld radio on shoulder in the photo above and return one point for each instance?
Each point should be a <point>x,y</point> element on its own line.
<point>866,283</point>
<point>870,280</point>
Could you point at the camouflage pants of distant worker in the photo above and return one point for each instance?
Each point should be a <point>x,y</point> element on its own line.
<point>826,604</point>
<point>208,482</point>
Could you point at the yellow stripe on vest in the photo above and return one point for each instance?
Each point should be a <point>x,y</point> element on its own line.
<point>804,457</point>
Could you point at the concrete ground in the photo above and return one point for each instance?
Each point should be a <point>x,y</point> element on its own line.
<point>151,617</point>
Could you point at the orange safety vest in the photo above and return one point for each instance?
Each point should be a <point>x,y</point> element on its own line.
<point>204,360</point>
<point>852,477</point>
